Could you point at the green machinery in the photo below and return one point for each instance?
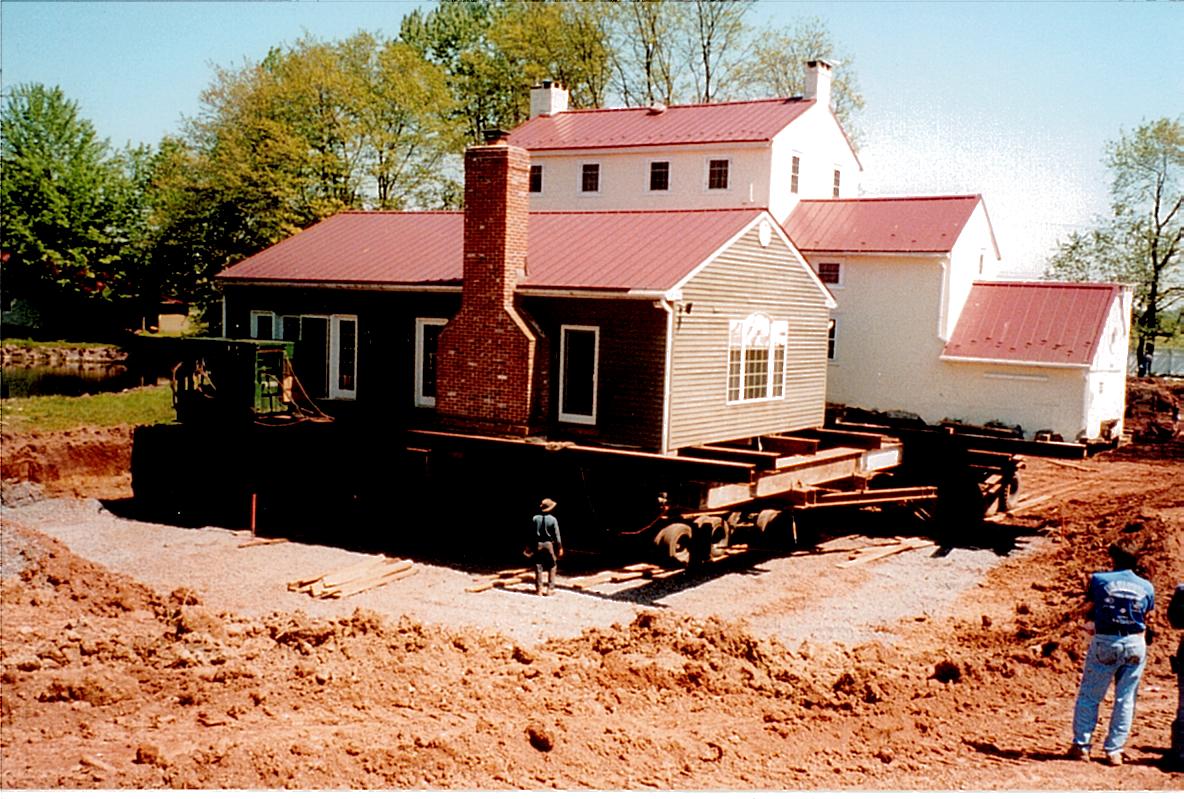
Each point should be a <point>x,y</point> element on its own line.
<point>221,379</point>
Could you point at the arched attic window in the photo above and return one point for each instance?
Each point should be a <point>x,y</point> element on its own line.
<point>756,358</point>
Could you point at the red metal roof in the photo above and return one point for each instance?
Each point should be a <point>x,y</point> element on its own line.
<point>1033,322</point>
<point>882,224</point>
<point>364,247</point>
<point>747,121</point>
<point>598,250</point>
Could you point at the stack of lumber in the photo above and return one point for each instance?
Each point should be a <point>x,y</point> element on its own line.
<point>504,578</point>
<point>361,576</point>
<point>862,555</point>
<point>626,574</point>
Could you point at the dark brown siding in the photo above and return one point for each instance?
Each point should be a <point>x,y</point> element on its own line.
<point>745,279</point>
<point>386,338</point>
<point>632,361</point>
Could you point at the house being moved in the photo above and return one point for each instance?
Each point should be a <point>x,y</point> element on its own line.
<point>649,329</point>
<point>669,276</point>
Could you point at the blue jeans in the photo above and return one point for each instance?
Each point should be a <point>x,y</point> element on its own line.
<point>1111,658</point>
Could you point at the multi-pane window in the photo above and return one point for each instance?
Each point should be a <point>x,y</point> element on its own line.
<point>326,359</point>
<point>659,176</point>
<point>830,273</point>
<point>344,359</point>
<point>838,179</point>
<point>757,348</point>
<point>795,171</point>
<point>262,325</point>
<point>590,178</point>
<point>717,173</point>
<point>579,355</point>
<point>536,178</point>
<point>831,335</point>
<point>427,344</point>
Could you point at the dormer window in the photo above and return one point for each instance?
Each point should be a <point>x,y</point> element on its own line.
<point>795,171</point>
<point>717,174</point>
<point>536,178</point>
<point>659,176</point>
<point>590,179</point>
<point>838,177</point>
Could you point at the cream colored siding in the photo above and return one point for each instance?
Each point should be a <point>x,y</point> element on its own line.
<point>746,278</point>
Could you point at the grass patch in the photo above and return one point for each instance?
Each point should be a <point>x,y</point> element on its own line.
<point>151,405</point>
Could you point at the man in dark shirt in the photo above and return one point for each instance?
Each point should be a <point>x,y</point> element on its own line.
<point>548,547</point>
<point>1119,602</point>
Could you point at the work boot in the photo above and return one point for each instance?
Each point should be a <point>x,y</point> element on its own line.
<point>1114,758</point>
<point>1077,752</point>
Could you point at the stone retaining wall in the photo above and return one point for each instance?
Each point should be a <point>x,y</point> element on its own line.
<point>60,356</point>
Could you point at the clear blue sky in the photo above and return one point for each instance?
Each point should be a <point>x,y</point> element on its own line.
<point>1012,100</point>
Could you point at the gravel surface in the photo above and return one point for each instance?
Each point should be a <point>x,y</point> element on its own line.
<point>796,598</point>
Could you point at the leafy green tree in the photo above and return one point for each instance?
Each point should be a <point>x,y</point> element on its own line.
<point>1140,242</point>
<point>67,202</point>
<point>778,68</point>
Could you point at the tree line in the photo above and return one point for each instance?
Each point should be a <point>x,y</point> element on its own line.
<point>95,236</point>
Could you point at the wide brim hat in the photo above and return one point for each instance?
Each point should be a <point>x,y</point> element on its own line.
<point>547,505</point>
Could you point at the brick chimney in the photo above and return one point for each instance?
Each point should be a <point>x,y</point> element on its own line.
<point>489,371</point>
<point>818,78</point>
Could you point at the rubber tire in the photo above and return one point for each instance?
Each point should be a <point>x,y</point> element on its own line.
<point>674,543</point>
<point>721,532</point>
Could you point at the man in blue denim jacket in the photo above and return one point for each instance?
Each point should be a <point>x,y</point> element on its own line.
<point>1119,602</point>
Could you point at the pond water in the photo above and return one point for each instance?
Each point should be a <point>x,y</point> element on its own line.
<point>70,381</point>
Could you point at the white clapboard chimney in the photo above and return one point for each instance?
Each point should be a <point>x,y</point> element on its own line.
<point>547,98</point>
<point>818,77</point>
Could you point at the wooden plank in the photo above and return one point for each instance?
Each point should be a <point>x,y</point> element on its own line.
<point>593,579</point>
<point>752,457</point>
<point>791,445</point>
<point>299,585</point>
<point>885,552</point>
<point>642,567</point>
<point>402,570</point>
<point>262,542</point>
<point>359,571</point>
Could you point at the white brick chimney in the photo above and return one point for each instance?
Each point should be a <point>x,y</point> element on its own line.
<point>818,76</point>
<point>547,98</point>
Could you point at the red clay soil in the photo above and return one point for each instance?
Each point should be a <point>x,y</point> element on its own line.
<point>108,684</point>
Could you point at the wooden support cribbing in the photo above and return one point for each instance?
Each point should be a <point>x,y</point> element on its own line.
<point>884,552</point>
<point>404,569</point>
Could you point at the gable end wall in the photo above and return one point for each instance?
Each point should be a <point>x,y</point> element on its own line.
<point>745,279</point>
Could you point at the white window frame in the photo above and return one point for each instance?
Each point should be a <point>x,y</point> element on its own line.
<point>255,317</point>
<point>422,401</point>
<point>707,174</point>
<point>576,418</point>
<point>335,390</point>
<point>795,175</point>
<point>649,171</point>
<point>838,284</point>
<point>836,188</point>
<point>542,179</point>
<point>740,332</point>
<point>580,179</point>
<point>832,340</point>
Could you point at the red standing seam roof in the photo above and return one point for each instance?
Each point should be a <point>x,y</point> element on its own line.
<point>881,224</point>
<point>1033,322</point>
<point>714,123</point>
<point>596,250</point>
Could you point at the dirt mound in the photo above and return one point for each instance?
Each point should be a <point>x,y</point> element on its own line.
<point>1154,411</point>
<point>81,462</point>
<point>109,684</point>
